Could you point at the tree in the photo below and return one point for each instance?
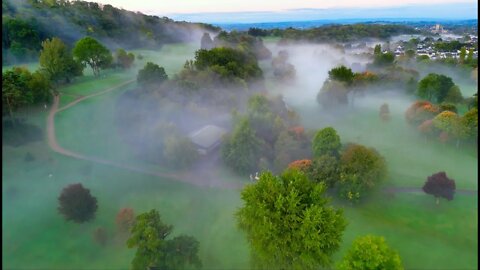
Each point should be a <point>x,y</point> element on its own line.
<point>454,95</point>
<point>362,169</point>
<point>434,87</point>
<point>470,122</point>
<point>242,149</point>
<point>125,219</point>
<point>179,152</point>
<point>463,53</point>
<point>15,91</point>
<point>303,165</point>
<point>325,169</point>
<point>332,94</point>
<point>89,51</point>
<point>420,111</point>
<point>151,74</point>
<point>377,50</point>
<point>206,43</point>
<point>370,253</point>
<point>426,128</point>
<point>326,142</point>
<point>124,59</point>
<point>57,61</point>
<point>289,223</point>
<point>100,236</point>
<point>149,235</point>
<point>341,74</point>
<point>440,186</point>
<point>445,121</point>
<point>410,53</point>
<point>384,112</point>
<point>384,59</point>
<point>77,204</point>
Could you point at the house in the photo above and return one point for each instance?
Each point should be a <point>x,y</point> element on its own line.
<point>207,138</point>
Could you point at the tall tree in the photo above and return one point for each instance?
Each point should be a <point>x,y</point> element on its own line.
<point>89,51</point>
<point>434,87</point>
<point>149,235</point>
<point>440,186</point>
<point>57,61</point>
<point>151,74</point>
<point>326,142</point>
<point>370,253</point>
<point>342,74</point>
<point>124,59</point>
<point>77,204</point>
<point>289,223</point>
<point>362,170</point>
<point>206,43</point>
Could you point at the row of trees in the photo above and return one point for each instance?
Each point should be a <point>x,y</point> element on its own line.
<point>443,122</point>
<point>58,65</point>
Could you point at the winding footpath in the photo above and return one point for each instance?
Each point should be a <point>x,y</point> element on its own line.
<point>194,178</point>
<point>54,145</point>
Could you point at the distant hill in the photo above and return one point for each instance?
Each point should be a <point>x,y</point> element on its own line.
<point>318,23</point>
<point>25,23</point>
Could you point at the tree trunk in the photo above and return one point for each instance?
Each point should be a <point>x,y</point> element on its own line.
<point>10,112</point>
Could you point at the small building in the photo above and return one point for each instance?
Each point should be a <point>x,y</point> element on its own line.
<point>207,138</point>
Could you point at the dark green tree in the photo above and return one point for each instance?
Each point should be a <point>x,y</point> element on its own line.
<point>341,74</point>
<point>149,235</point>
<point>77,204</point>
<point>289,222</point>
<point>434,87</point>
<point>151,74</point>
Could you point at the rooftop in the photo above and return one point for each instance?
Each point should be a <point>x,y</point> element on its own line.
<point>207,136</point>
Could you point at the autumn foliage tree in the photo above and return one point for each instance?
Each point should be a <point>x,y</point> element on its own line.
<point>420,111</point>
<point>125,219</point>
<point>77,204</point>
<point>440,186</point>
<point>362,170</point>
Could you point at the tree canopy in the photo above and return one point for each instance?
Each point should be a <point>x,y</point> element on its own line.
<point>149,235</point>
<point>435,87</point>
<point>89,51</point>
<point>370,253</point>
<point>77,204</point>
<point>326,142</point>
<point>440,186</point>
<point>57,61</point>
<point>151,74</point>
<point>289,223</point>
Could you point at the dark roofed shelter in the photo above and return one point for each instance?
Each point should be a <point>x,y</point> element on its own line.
<point>207,138</point>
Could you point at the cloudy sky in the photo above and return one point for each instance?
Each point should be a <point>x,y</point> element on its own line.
<point>209,10</point>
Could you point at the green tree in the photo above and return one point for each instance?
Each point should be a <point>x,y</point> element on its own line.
<point>384,59</point>
<point>89,51</point>
<point>410,53</point>
<point>151,74</point>
<point>325,169</point>
<point>289,223</point>
<point>242,149</point>
<point>15,90</point>
<point>370,253</point>
<point>326,142</point>
<point>469,121</point>
<point>342,74</point>
<point>434,87</point>
<point>124,59</point>
<point>362,170</point>
<point>57,61</point>
<point>149,235</point>
<point>377,50</point>
<point>463,53</point>
<point>454,95</point>
<point>179,152</point>
<point>445,121</point>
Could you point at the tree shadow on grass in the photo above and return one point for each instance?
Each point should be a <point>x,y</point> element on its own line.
<point>20,133</point>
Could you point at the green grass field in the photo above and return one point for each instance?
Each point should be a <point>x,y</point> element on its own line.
<point>35,236</point>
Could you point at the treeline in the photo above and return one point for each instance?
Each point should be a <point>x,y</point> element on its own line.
<point>26,23</point>
<point>337,33</point>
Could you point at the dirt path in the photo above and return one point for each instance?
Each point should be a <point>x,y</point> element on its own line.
<point>53,143</point>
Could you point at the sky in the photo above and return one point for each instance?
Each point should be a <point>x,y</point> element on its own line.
<point>238,11</point>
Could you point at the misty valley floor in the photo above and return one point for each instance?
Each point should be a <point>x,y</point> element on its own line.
<point>426,236</point>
